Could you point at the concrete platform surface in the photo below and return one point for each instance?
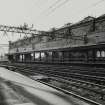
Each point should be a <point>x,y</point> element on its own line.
<point>17,89</point>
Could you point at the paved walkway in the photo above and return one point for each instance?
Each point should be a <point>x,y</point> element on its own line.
<point>16,89</point>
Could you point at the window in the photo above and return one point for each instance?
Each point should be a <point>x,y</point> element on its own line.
<point>37,55</point>
<point>102,53</point>
<point>98,54</point>
<point>23,56</point>
<point>60,54</point>
<point>32,54</point>
<point>55,54</point>
<point>42,54</point>
<point>50,53</point>
<point>20,57</point>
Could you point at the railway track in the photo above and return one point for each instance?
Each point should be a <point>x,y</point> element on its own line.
<point>87,86</point>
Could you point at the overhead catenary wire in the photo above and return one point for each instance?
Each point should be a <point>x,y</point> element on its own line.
<point>97,3</point>
<point>89,7</point>
<point>50,7</point>
<point>57,7</point>
<point>53,8</point>
<point>54,4</point>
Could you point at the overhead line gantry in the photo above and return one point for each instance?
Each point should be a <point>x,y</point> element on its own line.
<point>27,30</point>
<point>21,29</point>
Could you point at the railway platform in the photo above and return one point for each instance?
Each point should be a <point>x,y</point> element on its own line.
<point>17,89</point>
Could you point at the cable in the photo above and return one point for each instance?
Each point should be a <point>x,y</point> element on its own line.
<point>91,6</point>
<point>58,6</point>
<point>54,4</point>
<point>95,4</point>
<point>50,7</point>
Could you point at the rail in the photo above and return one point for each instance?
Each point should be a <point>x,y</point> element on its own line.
<point>77,83</point>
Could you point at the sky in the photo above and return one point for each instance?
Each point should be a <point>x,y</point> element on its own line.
<point>45,14</point>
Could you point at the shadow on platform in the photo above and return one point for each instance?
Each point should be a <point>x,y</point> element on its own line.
<point>2,98</point>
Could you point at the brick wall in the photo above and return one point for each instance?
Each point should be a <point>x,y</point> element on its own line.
<point>42,43</point>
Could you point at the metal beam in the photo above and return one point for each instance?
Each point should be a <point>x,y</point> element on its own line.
<point>21,29</point>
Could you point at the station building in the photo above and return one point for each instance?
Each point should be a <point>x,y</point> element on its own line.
<point>83,41</point>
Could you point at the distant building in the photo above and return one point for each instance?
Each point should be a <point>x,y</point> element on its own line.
<point>3,58</point>
<point>86,33</point>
